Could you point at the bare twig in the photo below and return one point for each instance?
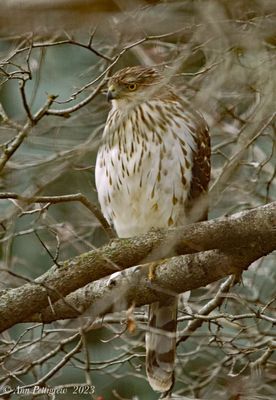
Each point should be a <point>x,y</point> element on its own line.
<point>11,148</point>
<point>207,309</point>
<point>64,199</point>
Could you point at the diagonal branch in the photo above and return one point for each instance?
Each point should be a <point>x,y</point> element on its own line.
<point>239,239</point>
<point>133,286</point>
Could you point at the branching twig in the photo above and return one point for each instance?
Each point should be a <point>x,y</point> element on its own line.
<point>11,148</point>
<point>207,309</point>
<point>64,199</point>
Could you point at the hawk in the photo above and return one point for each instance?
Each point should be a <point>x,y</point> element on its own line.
<point>152,168</point>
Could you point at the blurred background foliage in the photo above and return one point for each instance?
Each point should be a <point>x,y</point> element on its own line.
<point>221,56</point>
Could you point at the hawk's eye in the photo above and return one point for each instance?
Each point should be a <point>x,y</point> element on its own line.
<point>132,86</point>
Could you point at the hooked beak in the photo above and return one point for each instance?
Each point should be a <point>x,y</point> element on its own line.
<point>111,93</point>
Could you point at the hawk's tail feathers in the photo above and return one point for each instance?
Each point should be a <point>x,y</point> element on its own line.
<point>161,344</point>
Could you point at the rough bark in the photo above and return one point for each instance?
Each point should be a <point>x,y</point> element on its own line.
<point>213,249</point>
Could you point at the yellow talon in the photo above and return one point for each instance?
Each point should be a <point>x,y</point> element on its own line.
<point>152,267</point>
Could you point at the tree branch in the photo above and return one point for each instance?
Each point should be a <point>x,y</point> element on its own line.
<point>64,199</point>
<point>225,246</point>
<point>133,286</point>
<point>11,148</point>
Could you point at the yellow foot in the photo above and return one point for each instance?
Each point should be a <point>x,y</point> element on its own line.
<point>152,268</point>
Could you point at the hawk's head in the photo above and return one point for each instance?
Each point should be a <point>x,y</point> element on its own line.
<point>134,84</point>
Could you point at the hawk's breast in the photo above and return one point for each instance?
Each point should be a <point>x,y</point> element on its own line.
<point>143,168</point>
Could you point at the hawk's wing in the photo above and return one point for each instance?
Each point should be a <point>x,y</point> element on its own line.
<point>197,203</point>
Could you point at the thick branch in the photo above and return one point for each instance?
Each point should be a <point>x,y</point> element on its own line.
<point>133,286</point>
<point>241,239</point>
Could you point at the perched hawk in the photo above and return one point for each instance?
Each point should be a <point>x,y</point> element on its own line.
<point>153,166</point>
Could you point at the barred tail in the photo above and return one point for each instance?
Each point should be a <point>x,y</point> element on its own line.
<point>161,344</point>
